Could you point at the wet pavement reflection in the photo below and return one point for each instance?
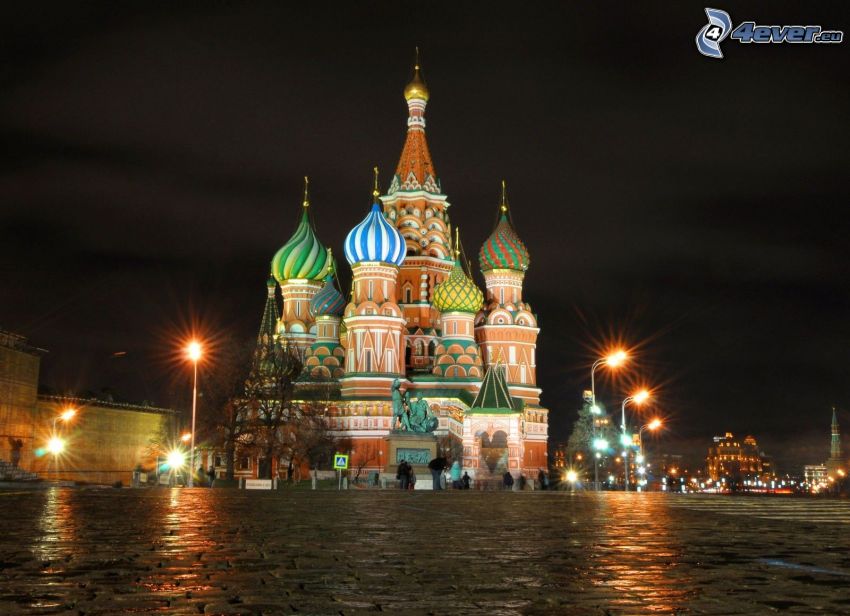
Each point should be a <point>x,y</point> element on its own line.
<point>195,551</point>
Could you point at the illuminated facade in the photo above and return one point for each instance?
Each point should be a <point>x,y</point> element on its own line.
<point>816,477</point>
<point>737,461</point>
<point>414,314</point>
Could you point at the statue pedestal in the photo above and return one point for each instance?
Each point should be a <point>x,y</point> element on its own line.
<point>418,448</point>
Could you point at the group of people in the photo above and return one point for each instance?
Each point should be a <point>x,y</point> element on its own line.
<point>439,468</point>
<point>542,480</point>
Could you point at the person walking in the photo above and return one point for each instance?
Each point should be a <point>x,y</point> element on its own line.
<point>465,480</point>
<point>507,480</point>
<point>541,479</point>
<point>455,475</point>
<point>412,479</point>
<point>403,474</point>
<point>436,467</point>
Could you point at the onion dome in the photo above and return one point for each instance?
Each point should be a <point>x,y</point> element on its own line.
<point>457,293</point>
<point>416,88</point>
<point>328,301</point>
<point>375,239</point>
<point>503,249</point>
<point>303,256</point>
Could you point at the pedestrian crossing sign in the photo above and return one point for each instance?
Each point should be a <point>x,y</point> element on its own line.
<point>340,461</point>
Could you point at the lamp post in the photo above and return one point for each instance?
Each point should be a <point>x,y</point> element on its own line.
<point>652,425</point>
<point>638,398</point>
<point>193,352</point>
<point>612,361</point>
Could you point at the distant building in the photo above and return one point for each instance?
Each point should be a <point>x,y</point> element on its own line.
<point>738,461</point>
<point>815,476</point>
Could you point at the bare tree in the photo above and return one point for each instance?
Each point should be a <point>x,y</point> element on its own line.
<point>223,394</point>
<point>267,406</point>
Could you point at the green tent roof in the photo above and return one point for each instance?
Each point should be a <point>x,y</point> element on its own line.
<point>494,397</point>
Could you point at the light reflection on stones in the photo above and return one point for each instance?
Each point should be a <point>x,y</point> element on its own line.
<point>637,553</point>
<point>58,526</point>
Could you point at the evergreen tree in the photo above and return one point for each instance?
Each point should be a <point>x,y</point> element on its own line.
<point>581,438</point>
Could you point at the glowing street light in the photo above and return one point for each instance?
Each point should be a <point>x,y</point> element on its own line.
<point>176,459</point>
<point>638,398</point>
<point>612,360</point>
<point>572,476</point>
<point>193,352</point>
<point>186,437</point>
<point>66,416</point>
<point>55,445</point>
<point>651,426</point>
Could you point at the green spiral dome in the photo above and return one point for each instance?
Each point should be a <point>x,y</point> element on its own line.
<point>457,293</point>
<point>303,256</point>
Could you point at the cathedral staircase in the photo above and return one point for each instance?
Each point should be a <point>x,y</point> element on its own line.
<point>12,473</point>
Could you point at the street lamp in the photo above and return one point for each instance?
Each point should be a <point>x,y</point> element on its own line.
<point>66,416</point>
<point>612,360</point>
<point>638,398</point>
<point>652,425</point>
<point>193,352</point>
<point>55,445</point>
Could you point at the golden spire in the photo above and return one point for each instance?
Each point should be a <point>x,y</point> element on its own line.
<point>416,88</point>
<point>457,243</point>
<point>306,202</point>
<point>375,190</point>
<point>331,268</point>
<point>503,204</point>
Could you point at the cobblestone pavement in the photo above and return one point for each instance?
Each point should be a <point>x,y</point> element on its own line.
<point>201,551</point>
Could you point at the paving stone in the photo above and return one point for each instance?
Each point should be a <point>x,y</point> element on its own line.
<point>199,551</point>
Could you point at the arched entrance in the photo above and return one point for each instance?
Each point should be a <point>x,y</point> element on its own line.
<point>494,451</point>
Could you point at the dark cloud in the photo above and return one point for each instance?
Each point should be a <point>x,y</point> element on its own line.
<point>152,160</point>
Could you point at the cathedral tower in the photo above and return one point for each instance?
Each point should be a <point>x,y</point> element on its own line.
<point>416,205</point>
<point>325,357</point>
<point>458,299</point>
<point>375,327</point>
<point>506,329</point>
<point>300,266</point>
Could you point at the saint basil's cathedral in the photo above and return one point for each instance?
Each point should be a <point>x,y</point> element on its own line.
<point>415,315</point>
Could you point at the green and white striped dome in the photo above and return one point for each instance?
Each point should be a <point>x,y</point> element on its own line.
<point>303,256</point>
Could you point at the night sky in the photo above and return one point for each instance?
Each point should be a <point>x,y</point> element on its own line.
<point>153,155</point>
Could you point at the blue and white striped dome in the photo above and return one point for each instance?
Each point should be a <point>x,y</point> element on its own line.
<point>375,239</point>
